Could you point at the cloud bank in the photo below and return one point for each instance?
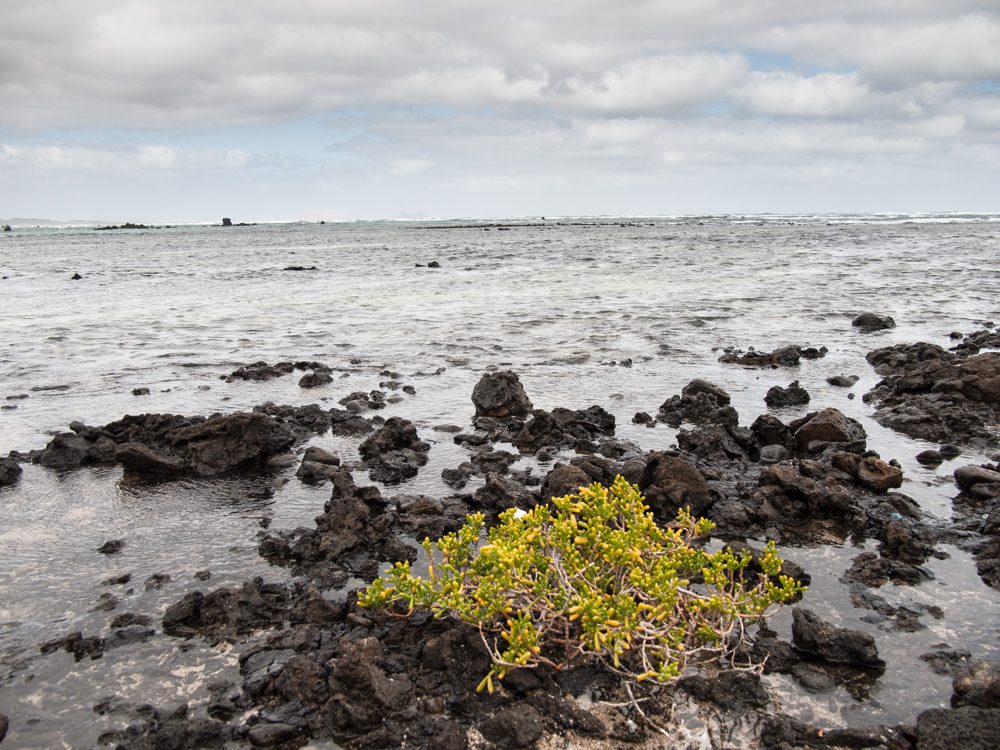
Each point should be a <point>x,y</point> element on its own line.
<point>574,103</point>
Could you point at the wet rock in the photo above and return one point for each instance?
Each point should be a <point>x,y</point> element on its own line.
<point>142,460</point>
<point>501,395</point>
<point>4,721</point>
<point>77,644</point>
<point>514,726</point>
<point>874,570</point>
<point>170,729</point>
<point>670,483</point>
<point>930,394</point>
<point>793,395</point>
<point>501,493</point>
<point>10,472</point>
<point>769,430</point>
<point>394,452</point>
<point>713,443</point>
<point>563,427</point>
<point>787,356</point>
<point>731,690</point>
<point>929,458</point>
<point>870,321</point>
<point>498,462</point>
<point>458,477</point>
<point>315,379</point>
<point>968,477</point>
<point>67,450</point>
<point>812,678</point>
<point>869,471</point>
<point>836,645</point>
<point>946,660</point>
<point>842,381</point>
<point>229,612</point>
<point>827,426</point>
<point>564,480</point>
<point>112,547</point>
<point>784,733</point>
<point>642,417</point>
<point>968,728</point>
<point>347,423</point>
<point>155,582</point>
<point>977,684</point>
<point>75,277</point>
<point>140,391</point>
<point>127,636</point>
<point>697,400</point>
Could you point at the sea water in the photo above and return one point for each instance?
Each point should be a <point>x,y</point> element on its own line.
<point>621,313</point>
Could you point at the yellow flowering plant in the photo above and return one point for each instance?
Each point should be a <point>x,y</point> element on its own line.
<point>590,575</point>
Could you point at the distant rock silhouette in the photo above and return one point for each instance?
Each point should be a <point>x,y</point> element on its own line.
<point>227,222</point>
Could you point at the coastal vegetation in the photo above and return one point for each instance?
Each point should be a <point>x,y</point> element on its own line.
<point>591,575</point>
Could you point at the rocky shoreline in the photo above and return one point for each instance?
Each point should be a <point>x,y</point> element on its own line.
<point>315,666</point>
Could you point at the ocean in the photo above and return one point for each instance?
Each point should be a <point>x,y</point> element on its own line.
<point>610,311</point>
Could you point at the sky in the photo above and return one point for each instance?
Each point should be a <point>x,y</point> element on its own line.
<point>190,110</point>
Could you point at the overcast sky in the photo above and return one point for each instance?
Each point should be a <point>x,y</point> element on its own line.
<point>189,110</point>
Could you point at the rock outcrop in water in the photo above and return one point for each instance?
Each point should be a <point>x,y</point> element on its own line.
<point>786,356</point>
<point>932,394</point>
<point>501,395</point>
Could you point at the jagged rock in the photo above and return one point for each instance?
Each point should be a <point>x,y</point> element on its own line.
<point>500,395</point>
<point>872,322</point>
<point>697,400</point>
<point>833,644</point>
<point>563,427</point>
<point>945,660</point>
<point>501,493</point>
<point>394,452</point>
<point>671,483</point>
<point>769,430</point>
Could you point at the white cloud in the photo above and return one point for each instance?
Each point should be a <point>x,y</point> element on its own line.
<point>55,158</point>
<point>822,95</point>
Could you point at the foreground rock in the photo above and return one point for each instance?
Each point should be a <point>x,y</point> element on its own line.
<point>563,427</point>
<point>935,395</point>
<point>967,728</point>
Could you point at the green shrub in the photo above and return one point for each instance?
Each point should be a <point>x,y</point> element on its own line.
<point>590,575</point>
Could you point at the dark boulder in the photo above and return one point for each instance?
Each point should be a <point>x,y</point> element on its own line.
<point>315,379</point>
<point>514,727</point>
<point>696,402</point>
<point>827,426</point>
<point>10,472</point>
<point>870,321</point>
<point>564,480</point>
<point>793,395</point>
<point>500,493</point>
<point>769,430</point>
<point>500,395</point>
<point>394,452</point>
<point>836,645</point>
<point>670,483</point>
<point>563,427</point>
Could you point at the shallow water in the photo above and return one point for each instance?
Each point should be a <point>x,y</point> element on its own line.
<point>174,309</point>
